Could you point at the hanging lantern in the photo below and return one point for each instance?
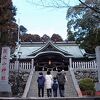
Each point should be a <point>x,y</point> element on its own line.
<point>49,62</point>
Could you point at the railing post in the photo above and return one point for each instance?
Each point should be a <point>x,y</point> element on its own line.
<point>16,65</point>
<point>32,63</point>
<point>70,62</point>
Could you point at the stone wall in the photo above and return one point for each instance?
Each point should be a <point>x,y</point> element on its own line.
<point>80,74</point>
<point>18,82</point>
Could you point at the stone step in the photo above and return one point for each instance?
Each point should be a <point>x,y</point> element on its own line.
<point>69,87</point>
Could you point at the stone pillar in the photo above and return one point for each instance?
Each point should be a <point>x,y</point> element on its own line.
<point>5,88</point>
<point>70,62</point>
<point>98,60</point>
<point>97,50</point>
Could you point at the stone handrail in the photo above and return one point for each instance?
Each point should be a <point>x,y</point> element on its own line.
<point>28,84</point>
<point>75,83</point>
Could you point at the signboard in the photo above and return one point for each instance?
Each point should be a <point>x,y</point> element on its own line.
<point>4,69</point>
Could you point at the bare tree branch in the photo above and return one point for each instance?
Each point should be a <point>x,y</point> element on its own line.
<point>50,4</point>
<point>63,4</point>
<point>92,8</point>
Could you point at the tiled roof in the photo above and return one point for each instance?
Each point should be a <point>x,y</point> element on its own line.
<point>29,48</point>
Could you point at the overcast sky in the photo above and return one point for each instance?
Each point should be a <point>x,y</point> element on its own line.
<point>42,20</point>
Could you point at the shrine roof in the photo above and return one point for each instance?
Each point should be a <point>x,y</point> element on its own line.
<point>29,48</point>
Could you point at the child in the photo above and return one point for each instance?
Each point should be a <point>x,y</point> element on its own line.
<point>41,81</point>
<point>55,86</point>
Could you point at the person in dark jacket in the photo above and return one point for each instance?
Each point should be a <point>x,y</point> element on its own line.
<point>61,82</point>
<point>41,82</point>
<point>55,86</point>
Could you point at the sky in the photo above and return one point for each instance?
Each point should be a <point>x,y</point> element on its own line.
<point>42,20</point>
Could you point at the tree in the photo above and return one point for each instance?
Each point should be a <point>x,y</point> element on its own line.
<point>71,36</point>
<point>95,5</point>
<point>82,17</point>
<point>85,26</point>
<point>67,4</point>
<point>8,26</point>
<point>56,38</point>
<point>50,3</point>
<point>30,38</point>
<point>45,38</point>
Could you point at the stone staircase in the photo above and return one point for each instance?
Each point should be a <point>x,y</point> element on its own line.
<point>69,87</point>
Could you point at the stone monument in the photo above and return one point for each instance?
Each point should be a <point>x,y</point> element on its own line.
<point>5,88</point>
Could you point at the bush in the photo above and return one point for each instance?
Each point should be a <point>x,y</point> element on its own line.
<point>87,85</point>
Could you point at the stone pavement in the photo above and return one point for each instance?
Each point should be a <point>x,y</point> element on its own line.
<point>52,98</point>
<point>69,87</point>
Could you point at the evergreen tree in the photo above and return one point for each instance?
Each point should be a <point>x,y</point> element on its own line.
<point>84,23</point>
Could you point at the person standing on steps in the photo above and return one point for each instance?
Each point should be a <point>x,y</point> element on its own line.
<point>41,82</point>
<point>48,83</point>
<point>55,86</point>
<point>61,82</point>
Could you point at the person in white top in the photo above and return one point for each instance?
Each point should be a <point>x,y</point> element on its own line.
<point>48,83</point>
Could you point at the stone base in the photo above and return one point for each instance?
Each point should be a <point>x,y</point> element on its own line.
<point>5,89</point>
<point>97,93</point>
<point>97,86</point>
<point>5,94</point>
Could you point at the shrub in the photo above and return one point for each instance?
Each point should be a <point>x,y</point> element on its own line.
<point>87,85</point>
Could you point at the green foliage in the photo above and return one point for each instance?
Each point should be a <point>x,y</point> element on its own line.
<point>87,84</point>
<point>71,36</point>
<point>84,24</point>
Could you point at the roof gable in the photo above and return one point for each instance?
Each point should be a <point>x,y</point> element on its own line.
<point>49,46</point>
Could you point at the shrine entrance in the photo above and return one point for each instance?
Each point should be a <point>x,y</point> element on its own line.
<point>51,60</point>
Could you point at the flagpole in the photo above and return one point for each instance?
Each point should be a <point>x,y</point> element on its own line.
<point>18,29</point>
